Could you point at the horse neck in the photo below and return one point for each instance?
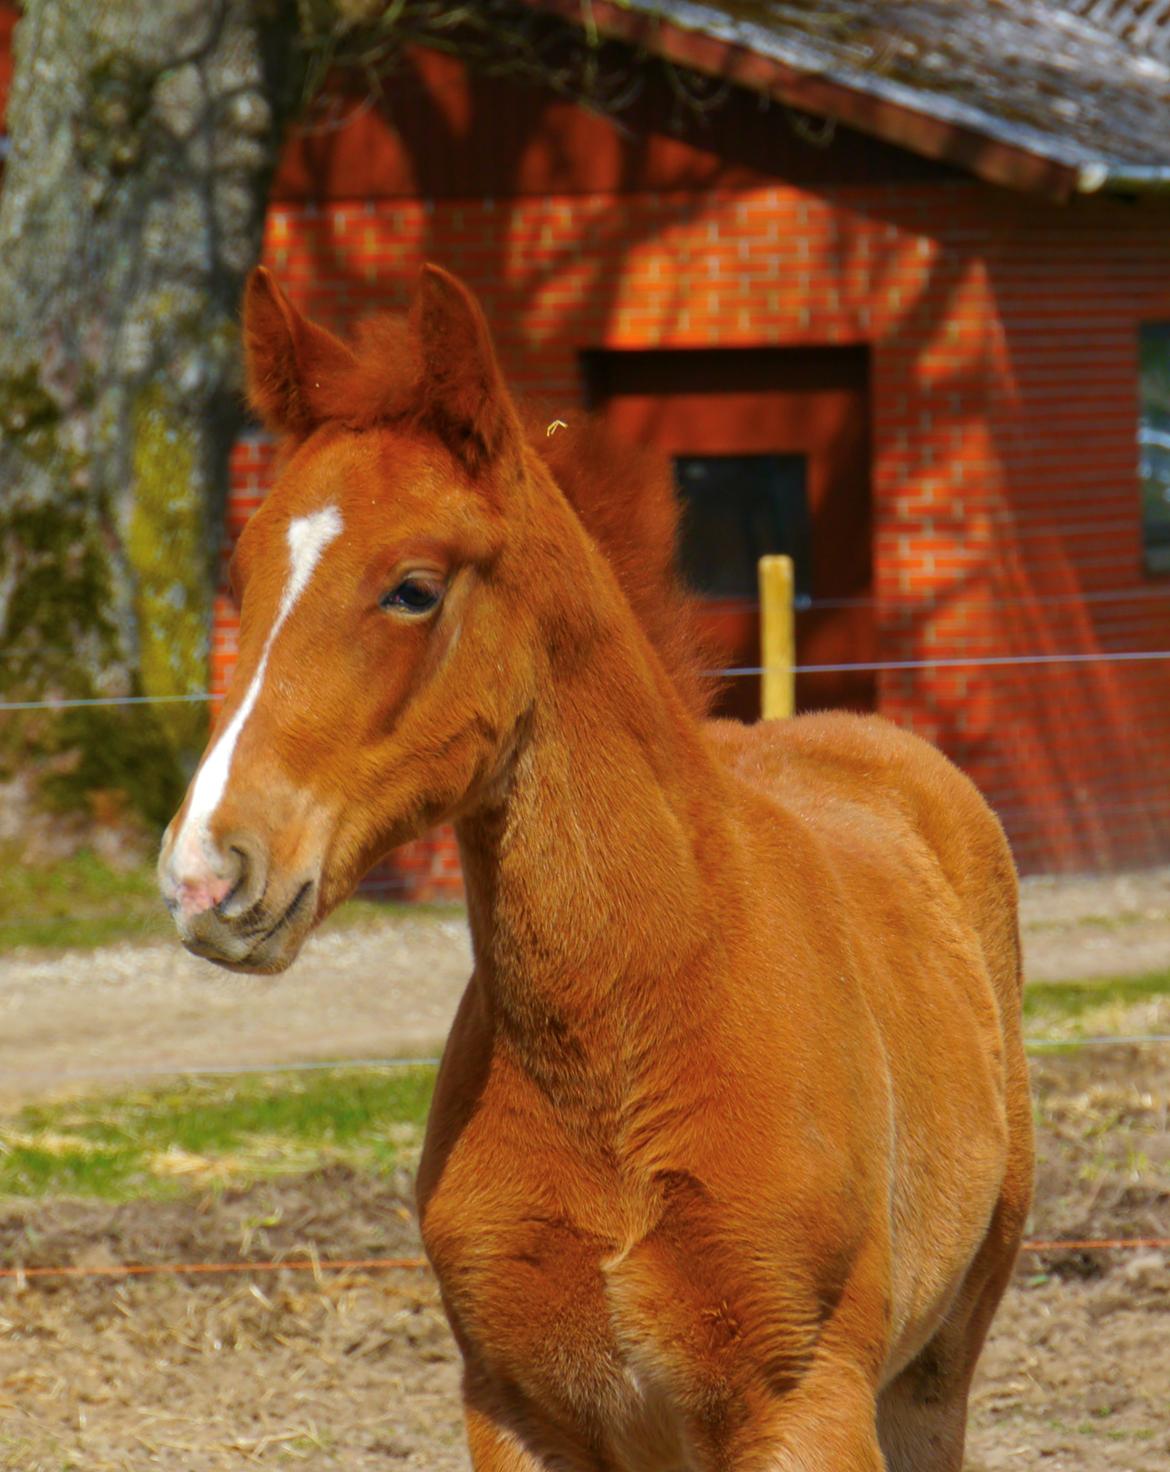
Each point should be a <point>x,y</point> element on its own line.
<point>586,886</point>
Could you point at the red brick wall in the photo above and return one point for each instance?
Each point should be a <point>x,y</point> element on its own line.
<point>9,15</point>
<point>1004,404</point>
<point>442,132</point>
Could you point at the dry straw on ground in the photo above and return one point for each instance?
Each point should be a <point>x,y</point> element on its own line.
<point>357,1372</point>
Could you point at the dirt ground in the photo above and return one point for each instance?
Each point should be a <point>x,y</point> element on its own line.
<point>357,1371</point>
<point>390,989</point>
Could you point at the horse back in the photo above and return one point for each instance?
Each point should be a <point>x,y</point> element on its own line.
<point>890,815</point>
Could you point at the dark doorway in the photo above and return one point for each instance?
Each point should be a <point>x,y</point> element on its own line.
<point>737,508</point>
<point>771,451</point>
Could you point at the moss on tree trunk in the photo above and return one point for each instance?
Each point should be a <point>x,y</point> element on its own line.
<point>144,135</point>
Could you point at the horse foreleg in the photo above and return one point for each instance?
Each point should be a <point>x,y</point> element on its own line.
<point>493,1446</point>
<point>828,1424</point>
<point>501,1439</point>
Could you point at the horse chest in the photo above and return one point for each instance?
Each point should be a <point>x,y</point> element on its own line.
<point>526,1291</point>
<point>564,1318</point>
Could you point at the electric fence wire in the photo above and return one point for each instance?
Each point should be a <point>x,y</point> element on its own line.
<point>877,666</point>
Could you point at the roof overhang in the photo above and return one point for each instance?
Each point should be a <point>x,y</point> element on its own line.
<point>1097,178</point>
<point>919,122</point>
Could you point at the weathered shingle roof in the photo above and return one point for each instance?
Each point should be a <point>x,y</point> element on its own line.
<point>1082,86</point>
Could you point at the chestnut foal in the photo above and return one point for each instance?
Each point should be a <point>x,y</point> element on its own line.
<point>730,1151</point>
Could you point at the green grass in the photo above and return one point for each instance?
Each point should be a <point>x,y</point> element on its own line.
<point>82,902</point>
<point>1050,1003</point>
<point>208,1133</point>
<point>161,1141</point>
<point>77,901</point>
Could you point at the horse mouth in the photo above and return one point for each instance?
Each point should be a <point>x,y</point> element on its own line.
<point>261,957</point>
<point>260,949</point>
<point>295,906</point>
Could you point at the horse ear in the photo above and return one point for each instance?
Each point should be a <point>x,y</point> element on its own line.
<point>290,361</point>
<point>464,397</point>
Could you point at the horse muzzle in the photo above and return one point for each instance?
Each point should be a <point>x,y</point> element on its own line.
<point>230,907</point>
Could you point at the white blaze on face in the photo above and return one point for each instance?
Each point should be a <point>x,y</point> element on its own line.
<point>193,850</point>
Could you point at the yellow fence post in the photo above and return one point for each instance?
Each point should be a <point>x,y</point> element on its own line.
<point>777,639</point>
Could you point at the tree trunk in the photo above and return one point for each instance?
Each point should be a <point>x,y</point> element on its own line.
<point>144,136</point>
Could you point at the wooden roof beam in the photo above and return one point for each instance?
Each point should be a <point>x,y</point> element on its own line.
<point>996,160</point>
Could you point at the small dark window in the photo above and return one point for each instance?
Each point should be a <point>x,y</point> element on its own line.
<point>1154,443</point>
<point>736,508</point>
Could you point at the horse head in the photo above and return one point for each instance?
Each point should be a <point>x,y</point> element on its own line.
<point>384,663</point>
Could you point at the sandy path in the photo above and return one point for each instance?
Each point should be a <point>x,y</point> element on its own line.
<point>390,989</point>
<point>1085,927</point>
<point>386,991</point>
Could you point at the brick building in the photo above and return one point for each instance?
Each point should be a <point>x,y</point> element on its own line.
<point>897,304</point>
<point>899,333</point>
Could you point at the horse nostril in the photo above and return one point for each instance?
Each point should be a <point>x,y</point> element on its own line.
<point>239,879</point>
<point>250,878</point>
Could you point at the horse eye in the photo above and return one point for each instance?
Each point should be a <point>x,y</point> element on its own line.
<point>413,595</point>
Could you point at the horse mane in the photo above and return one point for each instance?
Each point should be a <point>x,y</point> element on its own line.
<point>623,494</point>
<point>626,499</point>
